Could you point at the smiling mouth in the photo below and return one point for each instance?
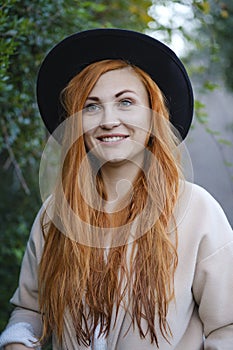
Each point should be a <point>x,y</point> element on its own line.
<point>112,138</point>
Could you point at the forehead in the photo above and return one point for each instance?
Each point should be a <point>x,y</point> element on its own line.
<point>123,78</point>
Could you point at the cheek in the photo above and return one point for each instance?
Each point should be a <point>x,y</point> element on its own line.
<point>87,125</point>
<point>143,137</point>
<point>87,141</point>
<point>139,118</point>
<point>145,128</point>
<point>145,123</point>
<point>90,123</point>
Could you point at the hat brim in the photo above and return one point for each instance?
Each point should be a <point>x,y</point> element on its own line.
<point>77,51</point>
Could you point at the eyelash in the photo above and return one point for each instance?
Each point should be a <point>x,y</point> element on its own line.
<point>89,107</point>
<point>126,100</point>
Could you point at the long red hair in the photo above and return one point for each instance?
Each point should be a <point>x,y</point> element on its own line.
<point>79,278</point>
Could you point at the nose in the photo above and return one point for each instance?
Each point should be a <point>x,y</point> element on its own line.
<point>109,118</point>
<point>109,125</point>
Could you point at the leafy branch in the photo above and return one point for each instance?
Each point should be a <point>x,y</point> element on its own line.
<point>12,160</point>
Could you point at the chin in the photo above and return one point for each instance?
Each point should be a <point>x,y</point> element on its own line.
<point>117,160</point>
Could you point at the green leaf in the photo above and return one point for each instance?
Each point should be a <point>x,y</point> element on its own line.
<point>212,132</point>
<point>203,6</point>
<point>198,105</point>
<point>228,164</point>
<point>208,85</point>
<point>225,142</point>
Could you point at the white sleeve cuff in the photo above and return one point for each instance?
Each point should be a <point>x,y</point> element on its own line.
<point>20,332</point>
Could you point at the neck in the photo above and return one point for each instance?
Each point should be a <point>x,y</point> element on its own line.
<point>118,182</point>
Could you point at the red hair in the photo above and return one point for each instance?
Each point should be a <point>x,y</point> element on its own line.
<point>77,278</point>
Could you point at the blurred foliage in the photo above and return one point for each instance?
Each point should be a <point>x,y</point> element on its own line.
<point>28,30</point>
<point>215,36</point>
<point>201,32</point>
<point>205,27</point>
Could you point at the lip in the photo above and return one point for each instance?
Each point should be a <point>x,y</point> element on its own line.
<point>122,137</point>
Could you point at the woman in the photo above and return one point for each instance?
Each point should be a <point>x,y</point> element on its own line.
<point>124,254</point>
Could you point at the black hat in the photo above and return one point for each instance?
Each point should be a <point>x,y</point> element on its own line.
<point>79,50</point>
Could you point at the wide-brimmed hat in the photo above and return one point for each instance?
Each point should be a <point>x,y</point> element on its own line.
<point>79,50</point>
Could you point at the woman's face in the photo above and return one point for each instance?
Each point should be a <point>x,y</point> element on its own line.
<point>117,117</point>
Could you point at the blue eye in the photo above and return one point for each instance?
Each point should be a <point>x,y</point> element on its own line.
<point>125,103</point>
<point>92,107</point>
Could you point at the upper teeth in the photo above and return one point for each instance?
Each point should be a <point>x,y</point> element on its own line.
<point>112,139</point>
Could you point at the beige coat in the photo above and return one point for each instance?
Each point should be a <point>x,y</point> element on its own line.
<point>201,316</point>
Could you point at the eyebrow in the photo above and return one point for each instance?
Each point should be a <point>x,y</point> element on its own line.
<point>123,92</point>
<point>93,98</point>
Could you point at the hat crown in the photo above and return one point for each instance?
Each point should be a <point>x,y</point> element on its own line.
<point>78,50</point>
